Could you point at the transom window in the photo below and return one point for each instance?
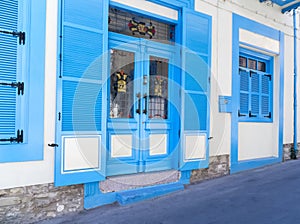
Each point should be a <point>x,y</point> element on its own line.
<point>130,24</point>
<point>255,87</point>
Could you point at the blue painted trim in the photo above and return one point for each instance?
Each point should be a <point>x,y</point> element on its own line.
<point>255,27</point>
<point>291,7</point>
<point>241,22</point>
<point>252,164</point>
<point>295,83</point>
<point>93,197</point>
<point>175,4</point>
<point>33,147</point>
<point>142,12</point>
<point>136,195</point>
<point>185,177</point>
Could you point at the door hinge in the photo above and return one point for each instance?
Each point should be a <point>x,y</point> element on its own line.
<point>19,85</point>
<point>179,133</point>
<point>18,139</point>
<point>59,116</point>
<point>20,35</point>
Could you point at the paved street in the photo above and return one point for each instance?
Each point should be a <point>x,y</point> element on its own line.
<point>266,195</point>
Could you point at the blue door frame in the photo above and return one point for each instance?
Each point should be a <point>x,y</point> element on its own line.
<point>140,126</point>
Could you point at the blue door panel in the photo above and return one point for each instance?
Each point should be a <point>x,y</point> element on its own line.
<point>80,91</point>
<point>195,81</point>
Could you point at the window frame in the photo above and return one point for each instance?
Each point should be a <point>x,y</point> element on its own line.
<point>30,117</point>
<point>269,64</point>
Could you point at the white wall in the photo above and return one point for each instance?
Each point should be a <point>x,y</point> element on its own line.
<point>30,173</point>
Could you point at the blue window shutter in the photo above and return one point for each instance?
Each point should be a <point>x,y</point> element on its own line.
<point>255,94</point>
<point>244,93</point>
<point>266,82</point>
<point>196,74</point>
<point>8,68</point>
<point>84,44</point>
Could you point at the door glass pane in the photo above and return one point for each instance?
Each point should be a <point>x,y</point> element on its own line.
<point>121,83</point>
<point>158,88</point>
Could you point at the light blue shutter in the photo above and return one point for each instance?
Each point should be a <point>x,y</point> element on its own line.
<point>8,68</point>
<point>244,93</point>
<point>83,71</point>
<point>196,72</point>
<point>266,81</point>
<point>255,95</point>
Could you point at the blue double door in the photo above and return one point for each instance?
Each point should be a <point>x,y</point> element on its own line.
<point>143,106</point>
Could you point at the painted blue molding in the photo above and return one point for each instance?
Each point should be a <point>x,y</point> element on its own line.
<point>255,27</point>
<point>136,195</point>
<point>247,24</point>
<point>185,177</point>
<point>93,197</point>
<point>252,164</point>
<point>291,7</point>
<point>175,4</point>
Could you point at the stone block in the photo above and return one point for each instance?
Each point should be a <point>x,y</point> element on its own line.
<point>9,201</point>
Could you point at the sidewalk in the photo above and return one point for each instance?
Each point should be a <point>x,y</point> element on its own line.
<point>265,195</point>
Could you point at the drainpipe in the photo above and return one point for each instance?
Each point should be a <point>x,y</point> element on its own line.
<point>294,150</point>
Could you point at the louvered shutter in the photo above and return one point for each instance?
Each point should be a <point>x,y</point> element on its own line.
<point>195,82</point>
<point>84,42</point>
<point>255,95</point>
<point>8,69</point>
<point>244,93</point>
<point>266,82</point>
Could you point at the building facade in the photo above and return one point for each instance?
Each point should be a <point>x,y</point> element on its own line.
<point>125,100</point>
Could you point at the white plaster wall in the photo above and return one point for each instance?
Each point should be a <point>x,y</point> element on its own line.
<point>39,172</point>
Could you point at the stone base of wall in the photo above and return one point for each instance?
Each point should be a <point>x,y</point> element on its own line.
<point>218,166</point>
<point>33,203</point>
<point>286,155</point>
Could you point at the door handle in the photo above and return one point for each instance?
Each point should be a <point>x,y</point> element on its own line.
<point>138,110</point>
<point>145,98</point>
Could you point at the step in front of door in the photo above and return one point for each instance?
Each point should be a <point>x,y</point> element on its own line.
<point>136,195</point>
<point>140,180</point>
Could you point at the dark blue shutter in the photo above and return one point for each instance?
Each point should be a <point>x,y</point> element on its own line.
<point>84,42</point>
<point>244,93</point>
<point>196,72</point>
<point>8,68</point>
<point>265,95</point>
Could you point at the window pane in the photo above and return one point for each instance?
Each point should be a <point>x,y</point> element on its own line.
<point>243,62</point>
<point>158,88</point>
<point>261,66</point>
<point>252,64</point>
<point>121,84</point>
<point>134,25</point>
